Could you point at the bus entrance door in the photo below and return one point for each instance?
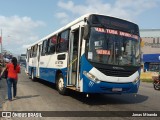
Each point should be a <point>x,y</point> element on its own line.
<point>73,63</point>
<point>38,59</point>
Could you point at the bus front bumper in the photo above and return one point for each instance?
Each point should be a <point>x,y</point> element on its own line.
<point>109,88</point>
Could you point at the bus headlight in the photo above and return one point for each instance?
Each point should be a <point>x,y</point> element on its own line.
<point>136,80</point>
<point>91,77</point>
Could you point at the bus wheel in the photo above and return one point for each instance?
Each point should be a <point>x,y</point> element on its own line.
<point>60,85</point>
<point>32,76</point>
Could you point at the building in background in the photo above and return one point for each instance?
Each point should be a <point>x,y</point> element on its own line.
<point>150,49</point>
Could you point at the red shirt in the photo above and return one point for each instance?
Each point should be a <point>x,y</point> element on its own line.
<point>13,73</point>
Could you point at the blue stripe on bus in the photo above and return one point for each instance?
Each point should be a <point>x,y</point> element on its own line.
<point>106,87</point>
<point>85,65</point>
<point>49,74</point>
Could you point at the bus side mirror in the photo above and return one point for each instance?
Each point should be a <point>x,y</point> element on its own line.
<point>86,32</point>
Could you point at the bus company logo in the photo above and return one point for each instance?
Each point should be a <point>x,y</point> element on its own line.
<point>6,114</point>
<point>118,68</point>
<point>59,62</point>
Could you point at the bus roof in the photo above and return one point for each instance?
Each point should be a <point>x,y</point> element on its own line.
<point>61,29</point>
<point>69,25</point>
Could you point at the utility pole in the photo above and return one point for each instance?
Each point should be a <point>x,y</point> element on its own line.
<point>1,55</point>
<point>1,41</point>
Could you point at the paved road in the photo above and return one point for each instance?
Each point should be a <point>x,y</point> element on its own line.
<point>42,96</point>
<point>2,91</point>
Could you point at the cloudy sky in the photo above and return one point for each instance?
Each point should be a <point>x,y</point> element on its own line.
<point>25,21</point>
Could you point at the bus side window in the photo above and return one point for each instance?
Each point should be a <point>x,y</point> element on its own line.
<point>44,48</point>
<point>63,41</point>
<point>31,53</point>
<point>51,44</point>
<point>34,54</point>
<point>28,55</point>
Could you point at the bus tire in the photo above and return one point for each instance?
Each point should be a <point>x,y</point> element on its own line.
<point>32,76</point>
<point>60,85</point>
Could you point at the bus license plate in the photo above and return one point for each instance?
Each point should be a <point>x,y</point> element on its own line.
<point>116,89</point>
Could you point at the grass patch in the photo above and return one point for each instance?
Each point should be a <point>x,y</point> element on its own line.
<point>147,80</point>
<point>147,76</point>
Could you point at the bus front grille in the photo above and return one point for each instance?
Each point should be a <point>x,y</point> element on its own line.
<point>116,73</point>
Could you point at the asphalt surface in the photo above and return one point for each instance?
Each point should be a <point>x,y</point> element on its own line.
<point>43,96</point>
<point>3,91</point>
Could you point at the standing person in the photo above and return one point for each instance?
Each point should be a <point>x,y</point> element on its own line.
<point>13,69</point>
<point>5,74</point>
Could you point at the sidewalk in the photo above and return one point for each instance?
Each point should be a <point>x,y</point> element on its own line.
<point>27,100</point>
<point>3,92</point>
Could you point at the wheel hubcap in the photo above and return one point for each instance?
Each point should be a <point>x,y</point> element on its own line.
<point>60,84</point>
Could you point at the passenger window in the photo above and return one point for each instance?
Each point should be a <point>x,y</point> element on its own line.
<point>51,44</point>
<point>63,38</point>
<point>34,54</point>
<point>44,48</point>
<point>31,53</point>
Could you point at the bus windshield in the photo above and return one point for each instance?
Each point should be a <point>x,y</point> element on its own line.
<point>108,46</point>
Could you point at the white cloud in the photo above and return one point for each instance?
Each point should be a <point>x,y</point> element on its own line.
<point>68,6</point>
<point>25,46</point>
<point>63,16</point>
<point>17,32</point>
<point>134,7</point>
<point>126,9</point>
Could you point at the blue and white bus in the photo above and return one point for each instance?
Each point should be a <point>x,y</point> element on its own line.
<point>93,54</point>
